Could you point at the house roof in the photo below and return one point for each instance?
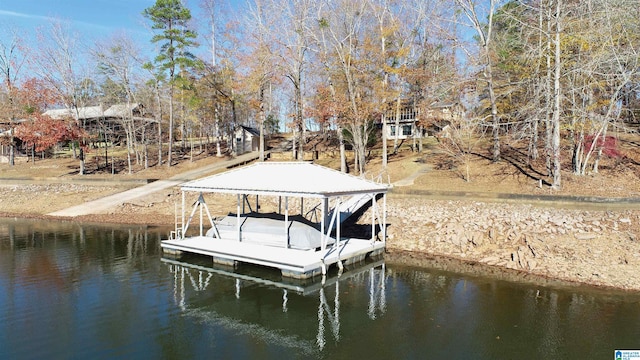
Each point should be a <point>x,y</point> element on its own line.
<point>120,110</point>
<point>286,179</point>
<point>92,112</point>
<point>251,130</point>
<point>83,113</point>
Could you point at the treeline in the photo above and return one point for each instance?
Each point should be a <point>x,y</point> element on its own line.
<point>548,72</point>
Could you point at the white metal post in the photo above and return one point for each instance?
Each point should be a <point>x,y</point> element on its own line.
<point>323,218</point>
<point>384,218</point>
<point>182,215</point>
<point>238,217</point>
<point>338,222</point>
<point>373,218</point>
<point>286,220</point>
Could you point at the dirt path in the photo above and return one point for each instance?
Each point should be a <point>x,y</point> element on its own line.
<point>408,181</point>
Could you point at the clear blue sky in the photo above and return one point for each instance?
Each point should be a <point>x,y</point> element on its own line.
<point>90,18</point>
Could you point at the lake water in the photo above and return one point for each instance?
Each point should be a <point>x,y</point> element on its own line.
<point>73,291</point>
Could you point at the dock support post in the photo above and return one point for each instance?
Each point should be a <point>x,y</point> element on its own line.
<point>338,223</point>
<point>182,215</point>
<point>238,217</point>
<point>323,218</point>
<point>384,218</point>
<point>286,221</point>
<point>373,219</point>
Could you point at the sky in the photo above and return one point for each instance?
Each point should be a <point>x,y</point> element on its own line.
<point>90,18</point>
<point>96,21</point>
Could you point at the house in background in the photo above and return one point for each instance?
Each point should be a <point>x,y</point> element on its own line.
<point>414,124</point>
<point>440,115</point>
<point>247,139</point>
<point>110,122</point>
<point>409,115</point>
<point>6,133</point>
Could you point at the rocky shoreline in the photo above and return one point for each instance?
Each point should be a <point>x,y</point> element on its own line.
<point>599,248</point>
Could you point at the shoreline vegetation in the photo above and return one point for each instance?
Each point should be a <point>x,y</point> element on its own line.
<point>433,221</point>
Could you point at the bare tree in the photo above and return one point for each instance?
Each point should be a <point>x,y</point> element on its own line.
<point>291,55</point>
<point>601,73</point>
<point>322,49</point>
<point>210,8</point>
<point>57,62</point>
<point>117,58</point>
<point>474,15</point>
<point>261,60</point>
<point>349,33</point>
<point>557,97</point>
<point>11,61</point>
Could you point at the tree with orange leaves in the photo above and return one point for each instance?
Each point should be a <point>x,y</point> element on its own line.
<point>42,133</point>
<point>35,96</point>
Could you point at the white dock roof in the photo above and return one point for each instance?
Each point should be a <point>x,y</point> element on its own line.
<point>285,179</point>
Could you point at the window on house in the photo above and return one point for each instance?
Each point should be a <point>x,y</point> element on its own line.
<point>392,130</point>
<point>406,130</point>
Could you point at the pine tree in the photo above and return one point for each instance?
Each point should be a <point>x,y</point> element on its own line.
<point>172,19</point>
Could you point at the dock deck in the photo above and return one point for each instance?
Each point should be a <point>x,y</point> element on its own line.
<point>292,262</point>
<point>298,251</point>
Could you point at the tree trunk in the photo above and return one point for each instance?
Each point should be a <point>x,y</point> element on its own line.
<point>170,150</point>
<point>294,148</point>
<point>413,137</point>
<point>300,120</point>
<point>549,109</point>
<point>146,149</point>
<point>556,103</point>
<point>12,151</point>
<point>384,142</point>
<point>159,122</point>
<point>343,152</point>
<point>395,139</point>
<point>261,132</point>
<point>82,169</point>
<point>217,130</point>
<point>495,120</point>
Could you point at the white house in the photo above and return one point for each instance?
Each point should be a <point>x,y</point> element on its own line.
<point>414,124</point>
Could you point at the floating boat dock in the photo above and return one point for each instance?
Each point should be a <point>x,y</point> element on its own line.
<point>297,246</point>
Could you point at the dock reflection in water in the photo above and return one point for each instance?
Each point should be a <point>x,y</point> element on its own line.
<point>78,291</point>
<point>250,305</point>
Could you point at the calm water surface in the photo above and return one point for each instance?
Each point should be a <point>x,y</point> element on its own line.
<point>72,291</point>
